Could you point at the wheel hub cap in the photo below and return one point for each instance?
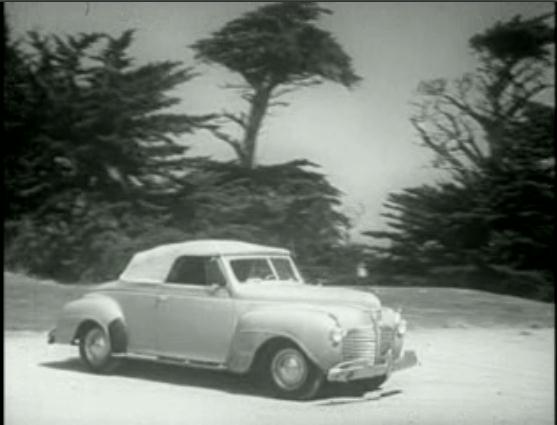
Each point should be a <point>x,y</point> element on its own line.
<point>289,369</point>
<point>96,346</point>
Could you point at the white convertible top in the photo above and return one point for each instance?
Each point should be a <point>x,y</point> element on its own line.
<point>154,264</point>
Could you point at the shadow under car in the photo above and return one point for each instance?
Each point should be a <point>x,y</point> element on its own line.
<point>330,394</point>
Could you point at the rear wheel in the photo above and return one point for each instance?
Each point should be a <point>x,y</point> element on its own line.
<point>289,373</point>
<point>95,350</point>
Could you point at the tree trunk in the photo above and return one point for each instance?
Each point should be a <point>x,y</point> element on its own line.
<point>258,109</point>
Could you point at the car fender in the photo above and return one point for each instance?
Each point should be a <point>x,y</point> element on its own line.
<point>388,316</point>
<point>92,308</point>
<point>308,328</point>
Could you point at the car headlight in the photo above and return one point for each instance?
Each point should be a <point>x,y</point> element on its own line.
<point>401,328</point>
<point>337,335</point>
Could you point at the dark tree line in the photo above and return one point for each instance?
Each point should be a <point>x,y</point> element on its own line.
<point>490,223</point>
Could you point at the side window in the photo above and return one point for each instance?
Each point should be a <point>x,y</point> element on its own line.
<point>195,271</point>
<point>284,268</point>
<point>188,270</point>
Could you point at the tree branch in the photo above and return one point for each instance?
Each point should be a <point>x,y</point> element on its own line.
<point>472,141</point>
<point>235,144</point>
<point>456,134</point>
<point>274,104</point>
<point>282,92</point>
<point>238,119</point>
<point>235,86</point>
<point>521,101</point>
<point>437,148</point>
<point>482,120</point>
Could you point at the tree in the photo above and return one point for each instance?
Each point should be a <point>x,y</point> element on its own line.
<point>288,204</point>
<point>20,113</point>
<point>91,149</point>
<point>494,211</point>
<point>521,187</point>
<point>94,170</point>
<point>464,124</point>
<point>104,119</point>
<point>276,50</point>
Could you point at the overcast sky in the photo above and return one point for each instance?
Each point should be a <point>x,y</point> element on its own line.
<point>361,137</point>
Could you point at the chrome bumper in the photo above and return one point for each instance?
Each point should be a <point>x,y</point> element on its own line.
<point>51,336</point>
<point>362,369</point>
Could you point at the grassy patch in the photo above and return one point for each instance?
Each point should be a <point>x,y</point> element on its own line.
<point>434,307</point>
<point>34,305</point>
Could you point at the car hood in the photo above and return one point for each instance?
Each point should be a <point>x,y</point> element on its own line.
<point>308,294</point>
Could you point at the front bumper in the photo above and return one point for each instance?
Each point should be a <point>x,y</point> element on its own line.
<point>362,369</point>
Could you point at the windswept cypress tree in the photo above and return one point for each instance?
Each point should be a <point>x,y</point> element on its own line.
<point>276,49</point>
<point>91,141</point>
<point>493,214</point>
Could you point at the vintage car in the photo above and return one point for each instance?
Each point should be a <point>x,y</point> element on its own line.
<point>238,307</point>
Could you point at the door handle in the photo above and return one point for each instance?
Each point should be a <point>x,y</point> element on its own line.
<point>162,298</point>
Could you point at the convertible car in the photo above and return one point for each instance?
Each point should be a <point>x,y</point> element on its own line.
<point>238,307</point>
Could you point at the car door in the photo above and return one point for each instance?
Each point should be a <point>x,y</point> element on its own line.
<point>138,301</point>
<point>196,315</point>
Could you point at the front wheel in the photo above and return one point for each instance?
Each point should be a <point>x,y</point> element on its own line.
<point>95,350</point>
<point>290,374</point>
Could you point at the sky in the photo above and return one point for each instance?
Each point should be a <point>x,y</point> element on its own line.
<point>361,138</point>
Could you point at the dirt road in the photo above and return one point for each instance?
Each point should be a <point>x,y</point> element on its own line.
<point>466,376</point>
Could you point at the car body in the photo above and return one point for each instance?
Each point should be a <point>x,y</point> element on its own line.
<point>239,307</point>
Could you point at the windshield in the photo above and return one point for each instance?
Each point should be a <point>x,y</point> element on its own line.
<point>263,269</point>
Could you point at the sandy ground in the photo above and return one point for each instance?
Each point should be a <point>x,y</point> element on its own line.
<point>466,376</point>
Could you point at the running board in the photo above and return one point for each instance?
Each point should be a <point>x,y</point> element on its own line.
<point>178,361</point>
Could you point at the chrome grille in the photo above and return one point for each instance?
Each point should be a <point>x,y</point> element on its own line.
<point>387,339</point>
<point>360,343</point>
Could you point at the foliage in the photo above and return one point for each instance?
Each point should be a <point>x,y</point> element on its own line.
<point>94,171</point>
<point>464,124</point>
<point>91,153</point>
<point>286,204</point>
<point>516,40</point>
<point>276,49</point>
<point>96,124</point>
<point>494,213</point>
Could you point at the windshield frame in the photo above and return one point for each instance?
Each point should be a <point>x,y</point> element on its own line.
<point>268,258</point>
